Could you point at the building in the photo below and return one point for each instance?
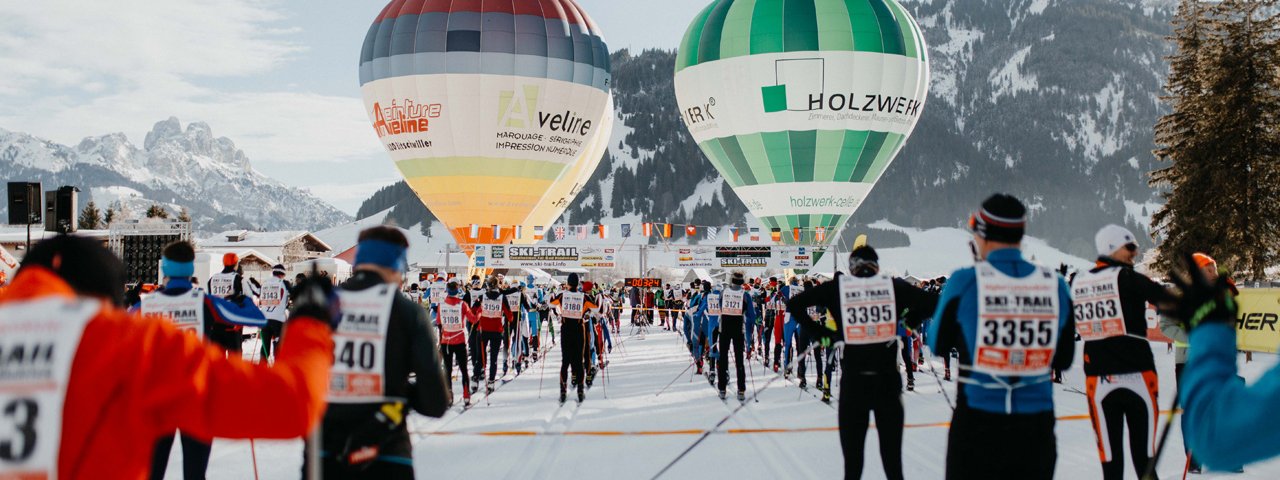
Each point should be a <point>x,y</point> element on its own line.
<point>285,247</point>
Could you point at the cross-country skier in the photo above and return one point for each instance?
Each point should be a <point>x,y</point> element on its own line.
<point>808,337</point>
<point>573,305</point>
<point>383,339</point>
<point>473,295</point>
<point>229,282</point>
<point>493,314</point>
<point>452,317</point>
<point>211,318</point>
<point>114,383</point>
<point>711,330</point>
<point>864,311</point>
<point>1011,322</point>
<point>788,330</point>
<point>274,301</point>
<point>737,311</point>
<point>1120,372</point>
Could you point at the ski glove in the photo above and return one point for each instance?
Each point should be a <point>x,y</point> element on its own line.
<point>1203,301</point>
<point>316,298</point>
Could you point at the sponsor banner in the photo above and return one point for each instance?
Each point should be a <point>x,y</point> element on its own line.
<point>1258,320</point>
<point>526,119</point>
<point>822,90</point>
<point>519,256</point>
<point>808,198</point>
<point>731,257</point>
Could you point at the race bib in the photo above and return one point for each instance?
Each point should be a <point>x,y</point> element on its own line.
<point>513,302</point>
<point>359,346</point>
<point>1097,305</point>
<point>1017,322</point>
<point>274,300</point>
<point>222,285</point>
<point>713,304</point>
<point>731,303</point>
<point>572,304</point>
<point>438,291</point>
<point>868,309</point>
<point>451,318</point>
<point>186,311</point>
<point>38,341</point>
<point>491,307</point>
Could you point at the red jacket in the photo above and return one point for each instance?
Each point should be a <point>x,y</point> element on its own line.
<point>135,379</point>
<point>492,324</point>
<point>468,315</point>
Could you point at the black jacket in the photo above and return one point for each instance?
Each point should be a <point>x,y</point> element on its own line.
<point>411,348</point>
<point>1127,354</point>
<point>914,306</point>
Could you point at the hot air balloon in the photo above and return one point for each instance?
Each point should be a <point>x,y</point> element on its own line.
<point>563,191</point>
<point>484,106</point>
<point>802,104</point>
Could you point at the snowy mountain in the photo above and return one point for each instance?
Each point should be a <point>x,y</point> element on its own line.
<point>175,168</point>
<point>1050,100</point>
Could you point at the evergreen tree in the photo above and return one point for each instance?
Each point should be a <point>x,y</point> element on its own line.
<point>90,217</point>
<point>1221,138</point>
<point>156,211</point>
<point>109,217</point>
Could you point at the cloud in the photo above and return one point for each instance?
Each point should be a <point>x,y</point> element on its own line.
<point>80,68</point>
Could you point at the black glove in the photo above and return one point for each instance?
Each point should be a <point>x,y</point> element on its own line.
<point>1203,301</point>
<point>316,298</point>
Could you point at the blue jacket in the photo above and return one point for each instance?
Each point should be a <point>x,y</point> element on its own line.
<point>955,325</point>
<point>1227,424</point>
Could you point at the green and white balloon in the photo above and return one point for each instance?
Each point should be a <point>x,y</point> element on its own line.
<point>802,104</point>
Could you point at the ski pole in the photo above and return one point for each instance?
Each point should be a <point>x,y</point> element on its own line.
<point>755,396</point>
<point>1150,473</point>
<point>934,370</point>
<point>673,381</point>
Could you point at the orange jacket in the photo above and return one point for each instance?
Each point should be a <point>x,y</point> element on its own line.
<point>134,380</point>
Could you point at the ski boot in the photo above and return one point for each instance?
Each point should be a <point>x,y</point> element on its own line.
<point>742,396</point>
<point>911,384</point>
<point>804,385</point>
<point>946,375</point>
<point>488,387</point>
<point>535,356</point>
<point>722,395</point>
<point>563,395</point>
<point>582,394</point>
<point>466,402</point>
<point>826,395</point>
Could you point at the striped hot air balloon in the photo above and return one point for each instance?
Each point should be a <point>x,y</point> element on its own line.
<point>485,105</point>
<point>802,104</point>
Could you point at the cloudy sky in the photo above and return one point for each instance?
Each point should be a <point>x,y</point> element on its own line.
<point>276,76</point>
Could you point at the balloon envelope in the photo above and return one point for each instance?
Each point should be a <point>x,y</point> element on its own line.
<point>802,104</point>
<point>483,106</point>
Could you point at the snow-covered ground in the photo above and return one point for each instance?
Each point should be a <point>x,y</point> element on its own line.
<point>625,431</point>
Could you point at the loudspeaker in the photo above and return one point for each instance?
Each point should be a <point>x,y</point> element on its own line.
<point>60,213</point>
<point>24,203</point>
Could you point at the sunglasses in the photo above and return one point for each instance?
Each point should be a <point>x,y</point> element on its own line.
<point>1132,247</point>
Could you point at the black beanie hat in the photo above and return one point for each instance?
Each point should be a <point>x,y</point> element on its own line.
<point>1002,218</point>
<point>572,280</point>
<point>864,262</point>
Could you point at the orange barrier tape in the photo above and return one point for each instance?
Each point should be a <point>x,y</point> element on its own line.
<point>731,431</point>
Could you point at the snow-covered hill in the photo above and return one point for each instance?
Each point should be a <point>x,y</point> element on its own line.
<point>175,168</point>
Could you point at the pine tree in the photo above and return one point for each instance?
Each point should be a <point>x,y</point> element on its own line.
<point>109,217</point>
<point>184,215</point>
<point>90,217</point>
<point>156,211</point>
<point>1221,138</point>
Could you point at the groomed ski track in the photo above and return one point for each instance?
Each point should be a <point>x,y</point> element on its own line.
<point>633,434</point>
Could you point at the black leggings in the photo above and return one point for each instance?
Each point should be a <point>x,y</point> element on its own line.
<point>802,338</point>
<point>477,350</point>
<point>492,342</point>
<point>861,395</point>
<point>573,342</point>
<point>984,445</point>
<point>458,352</point>
<point>195,457</point>
<point>731,336</point>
